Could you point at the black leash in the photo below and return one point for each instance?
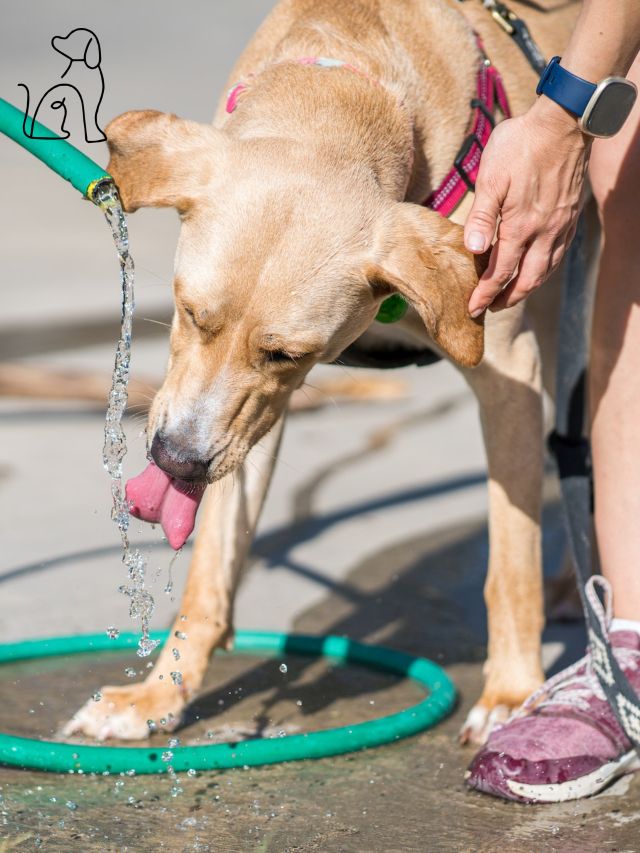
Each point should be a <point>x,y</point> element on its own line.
<point>519,32</point>
<point>570,448</point>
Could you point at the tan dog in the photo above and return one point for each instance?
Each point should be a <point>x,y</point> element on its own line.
<point>296,224</point>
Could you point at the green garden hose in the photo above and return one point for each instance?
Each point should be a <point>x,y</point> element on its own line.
<point>73,758</point>
<point>59,155</point>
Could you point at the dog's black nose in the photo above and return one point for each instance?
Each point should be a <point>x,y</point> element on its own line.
<point>174,462</point>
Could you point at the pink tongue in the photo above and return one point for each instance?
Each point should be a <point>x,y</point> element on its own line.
<point>154,496</point>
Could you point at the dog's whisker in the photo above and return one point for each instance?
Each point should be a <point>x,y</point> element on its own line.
<point>155,322</point>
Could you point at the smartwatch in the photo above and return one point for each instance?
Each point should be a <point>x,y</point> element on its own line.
<point>601,108</point>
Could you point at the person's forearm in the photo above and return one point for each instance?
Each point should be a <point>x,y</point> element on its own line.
<point>605,41</point>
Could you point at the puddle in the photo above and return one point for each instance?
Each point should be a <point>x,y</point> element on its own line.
<point>115,442</point>
<point>243,696</point>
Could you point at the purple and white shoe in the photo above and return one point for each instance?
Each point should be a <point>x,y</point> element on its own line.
<point>564,742</point>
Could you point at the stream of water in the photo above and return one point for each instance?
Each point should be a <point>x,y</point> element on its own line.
<point>141,604</point>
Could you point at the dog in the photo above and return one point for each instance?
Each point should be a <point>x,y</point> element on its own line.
<point>301,213</point>
<point>83,76</point>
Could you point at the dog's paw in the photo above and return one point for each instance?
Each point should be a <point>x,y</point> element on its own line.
<point>131,712</point>
<point>480,722</point>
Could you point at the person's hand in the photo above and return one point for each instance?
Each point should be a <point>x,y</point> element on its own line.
<point>531,177</point>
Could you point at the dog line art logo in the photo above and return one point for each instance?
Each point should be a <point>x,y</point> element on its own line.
<point>83,76</point>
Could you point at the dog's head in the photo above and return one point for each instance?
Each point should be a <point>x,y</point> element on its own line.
<point>80,44</point>
<point>283,260</point>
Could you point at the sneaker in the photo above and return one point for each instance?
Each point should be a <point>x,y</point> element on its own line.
<point>565,742</point>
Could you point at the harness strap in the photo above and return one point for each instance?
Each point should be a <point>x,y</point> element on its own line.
<point>323,61</point>
<point>462,177</point>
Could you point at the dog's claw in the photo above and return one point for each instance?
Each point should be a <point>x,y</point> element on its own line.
<point>480,722</point>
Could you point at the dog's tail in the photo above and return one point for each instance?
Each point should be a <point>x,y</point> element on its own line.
<point>26,114</point>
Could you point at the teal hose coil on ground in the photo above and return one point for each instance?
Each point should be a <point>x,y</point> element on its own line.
<point>73,758</point>
<point>59,155</point>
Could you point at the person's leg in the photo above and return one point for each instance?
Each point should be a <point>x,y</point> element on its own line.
<point>566,742</point>
<point>615,363</point>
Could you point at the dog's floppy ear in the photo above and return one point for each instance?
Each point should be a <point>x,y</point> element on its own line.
<point>422,256</point>
<point>92,52</point>
<point>160,160</point>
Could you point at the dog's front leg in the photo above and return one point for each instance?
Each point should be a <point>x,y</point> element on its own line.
<point>508,388</point>
<point>204,620</point>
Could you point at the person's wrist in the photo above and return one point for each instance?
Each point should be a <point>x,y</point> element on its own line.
<point>557,120</point>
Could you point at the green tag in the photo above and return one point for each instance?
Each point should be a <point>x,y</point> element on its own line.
<point>392,309</point>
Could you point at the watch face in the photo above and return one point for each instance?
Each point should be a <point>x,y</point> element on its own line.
<point>609,107</point>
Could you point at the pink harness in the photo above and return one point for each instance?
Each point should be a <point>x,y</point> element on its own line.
<point>462,176</point>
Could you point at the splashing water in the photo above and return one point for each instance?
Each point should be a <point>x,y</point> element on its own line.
<point>141,604</point>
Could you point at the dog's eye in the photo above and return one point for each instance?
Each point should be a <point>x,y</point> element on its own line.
<point>190,314</point>
<point>279,356</point>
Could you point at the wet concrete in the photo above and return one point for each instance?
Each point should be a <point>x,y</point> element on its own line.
<point>419,595</point>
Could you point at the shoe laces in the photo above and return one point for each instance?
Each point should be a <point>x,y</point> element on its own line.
<point>576,685</point>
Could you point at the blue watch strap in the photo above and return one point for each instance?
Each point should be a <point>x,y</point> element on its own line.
<point>571,92</point>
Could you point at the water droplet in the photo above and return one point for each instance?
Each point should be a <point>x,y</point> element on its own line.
<point>176,677</point>
<point>146,646</point>
<point>299,703</point>
<point>180,635</point>
<point>167,756</point>
<point>113,633</point>
<point>173,741</point>
<point>192,772</point>
<point>97,696</point>
<point>176,654</point>
<point>130,672</point>
<point>283,667</point>
<point>71,805</point>
<point>152,726</point>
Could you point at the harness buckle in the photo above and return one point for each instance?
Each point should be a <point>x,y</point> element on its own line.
<point>463,151</point>
<point>502,16</point>
<point>477,104</point>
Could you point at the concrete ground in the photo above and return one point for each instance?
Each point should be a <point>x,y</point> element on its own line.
<point>374,527</point>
